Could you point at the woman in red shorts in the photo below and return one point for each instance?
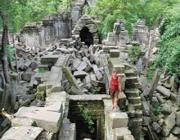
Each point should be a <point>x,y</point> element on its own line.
<point>114,88</point>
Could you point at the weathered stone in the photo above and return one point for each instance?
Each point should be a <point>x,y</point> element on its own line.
<point>55,76</point>
<point>80,74</point>
<point>169,122</point>
<point>16,122</point>
<point>176,131</point>
<point>160,98</point>
<point>114,53</point>
<point>171,137</point>
<point>76,63</point>
<point>33,65</point>
<point>118,119</point>
<point>119,133</point>
<point>56,98</point>
<point>97,72</point>
<point>88,81</point>
<point>92,77</point>
<point>22,133</point>
<point>166,109</point>
<point>178,118</point>
<point>26,76</point>
<point>68,130</point>
<point>164,91</point>
<point>49,59</point>
<point>47,120</point>
<point>82,66</point>
<point>156,127</point>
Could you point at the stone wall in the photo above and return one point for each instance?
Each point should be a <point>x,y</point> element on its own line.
<point>52,28</point>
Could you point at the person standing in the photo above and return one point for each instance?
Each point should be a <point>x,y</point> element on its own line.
<point>114,88</point>
<point>117,30</point>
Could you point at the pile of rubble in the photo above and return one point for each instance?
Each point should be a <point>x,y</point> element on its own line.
<point>165,121</point>
<point>84,73</point>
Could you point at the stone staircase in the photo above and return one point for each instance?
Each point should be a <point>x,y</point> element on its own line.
<point>135,106</point>
<point>130,86</point>
<point>116,123</point>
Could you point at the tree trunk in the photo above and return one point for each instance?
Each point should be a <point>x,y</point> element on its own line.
<point>154,83</point>
<point>5,42</point>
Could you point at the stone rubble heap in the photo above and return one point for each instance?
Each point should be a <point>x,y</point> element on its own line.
<point>165,121</point>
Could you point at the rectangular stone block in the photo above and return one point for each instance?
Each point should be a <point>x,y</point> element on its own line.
<point>120,133</point>
<point>118,119</point>
<point>16,122</point>
<point>114,53</point>
<point>22,133</point>
<point>50,121</point>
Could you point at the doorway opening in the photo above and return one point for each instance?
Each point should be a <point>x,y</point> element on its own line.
<point>86,36</point>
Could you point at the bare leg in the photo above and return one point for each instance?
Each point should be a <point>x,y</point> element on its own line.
<point>116,99</point>
<point>112,97</point>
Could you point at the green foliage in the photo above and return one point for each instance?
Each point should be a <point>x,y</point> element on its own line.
<point>87,116</point>
<point>134,52</point>
<point>19,12</point>
<point>156,109</point>
<point>150,71</point>
<point>169,54</point>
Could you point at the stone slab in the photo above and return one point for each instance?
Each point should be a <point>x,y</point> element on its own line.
<point>45,119</point>
<point>50,121</point>
<point>118,119</point>
<point>119,133</point>
<point>22,133</point>
<point>15,122</point>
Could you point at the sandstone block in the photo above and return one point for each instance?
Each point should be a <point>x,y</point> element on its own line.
<point>118,119</point>
<point>22,133</point>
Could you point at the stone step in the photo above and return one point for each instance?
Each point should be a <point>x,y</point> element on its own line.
<point>122,134</point>
<point>49,59</point>
<point>68,131</point>
<point>130,73</point>
<point>107,48</point>
<point>134,100</point>
<point>132,79</point>
<point>132,92</point>
<point>22,133</point>
<point>118,119</point>
<point>136,121</point>
<point>129,85</point>
<point>137,106</point>
<point>114,53</point>
<point>135,114</point>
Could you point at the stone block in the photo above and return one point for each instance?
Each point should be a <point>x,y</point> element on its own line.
<point>22,133</point>
<point>48,120</point>
<point>56,107</point>
<point>114,53</point>
<point>16,122</point>
<point>164,91</point>
<point>118,119</point>
<point>119,133</point>
<point>49,59</point>
<point>134,100</point>
<point>68,131</point>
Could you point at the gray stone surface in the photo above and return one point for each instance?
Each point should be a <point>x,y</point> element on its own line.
<point>22,133</point>
<point>169,123</point>
<point>45,119</point>
<point>16,122</point>
<point>176,131</point>
<point>164,91</point>
<point>118,119</point>
<point>178,118</point>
